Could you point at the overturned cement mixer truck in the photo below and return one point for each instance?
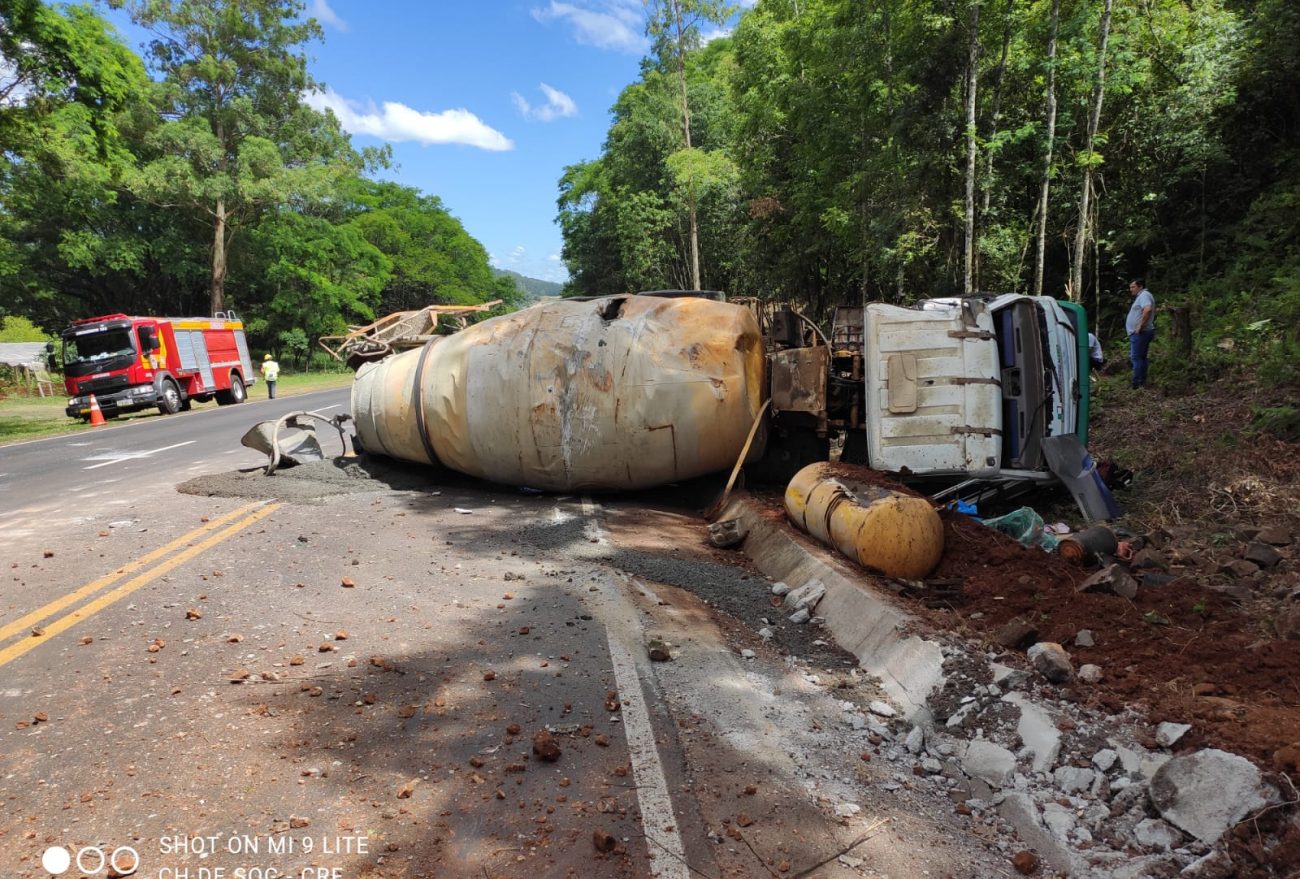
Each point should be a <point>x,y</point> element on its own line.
<point>629,392</point>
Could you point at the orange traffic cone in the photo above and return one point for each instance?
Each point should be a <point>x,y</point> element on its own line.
<point>96,417</point>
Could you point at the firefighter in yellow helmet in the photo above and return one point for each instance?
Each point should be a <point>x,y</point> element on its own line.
<point>270,374</point>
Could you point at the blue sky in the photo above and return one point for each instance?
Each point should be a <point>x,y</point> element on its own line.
<point>483,103</point>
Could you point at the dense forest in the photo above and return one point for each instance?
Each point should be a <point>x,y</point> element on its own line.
<point>829,150</point>
<point>196,180</point>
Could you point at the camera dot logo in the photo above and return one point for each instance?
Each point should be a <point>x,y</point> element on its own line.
<point>56,860</point>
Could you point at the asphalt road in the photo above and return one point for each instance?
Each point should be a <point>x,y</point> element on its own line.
<point>364,685</point>
<point>56,480</point>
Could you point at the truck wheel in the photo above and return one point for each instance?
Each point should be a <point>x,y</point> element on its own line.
<point>169,403</point>
<point>236,394</point>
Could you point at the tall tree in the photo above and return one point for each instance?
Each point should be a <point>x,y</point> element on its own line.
<point>237,137</point>
<point>674,24</point>
<point>1049,137</point>
<point>1089,158</point>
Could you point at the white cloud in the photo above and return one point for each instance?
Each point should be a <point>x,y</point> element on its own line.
<point>517,254</point>
<point>716,33</point>
<point>558,105</point>
<point>397,122</point>
<point>320,10</point>
<point>605,24</point>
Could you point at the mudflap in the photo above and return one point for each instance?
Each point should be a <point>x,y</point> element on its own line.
<point>1070,462</point>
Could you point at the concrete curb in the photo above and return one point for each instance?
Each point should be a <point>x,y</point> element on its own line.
<point>861,620</point>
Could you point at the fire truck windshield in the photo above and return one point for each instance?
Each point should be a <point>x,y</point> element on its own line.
<point>97,352</point>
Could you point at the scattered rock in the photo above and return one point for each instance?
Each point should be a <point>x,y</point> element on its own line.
<point>915,740</point>
<point>801,616</point>
<point>766,634</point>
<point>297,823</point>
<point>747,654</point>
<point>1262,554</point>
<point>404,792</point>
<point>659,651</point>
<point>1207,792</point>
<point>1051,661</point>
<point>780,589</point>
<point>881,709</point>
<point>545,746</point>
<point>602,841</point>
<point>193,614</point>
<point>727,533</point>
<point>1016,634</point>
<point>1149,558</point>
<point>1168,733</point>
<point>239,675</point>
<point>347,583</point>
<point>1084,638</point>
<point>1113,579</point>
<point>1090,674</point>
<point>989,762</point>
<point>1239,568</point>
<point>1275,536</point>
<point>844,810</point>
<point>1026,863</point>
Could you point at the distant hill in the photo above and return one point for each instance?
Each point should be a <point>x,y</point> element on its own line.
<point>534,288</point>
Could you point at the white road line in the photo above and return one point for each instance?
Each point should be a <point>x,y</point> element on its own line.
<point>657,818</point>
<point>131,456</point>
<point>324,409</point>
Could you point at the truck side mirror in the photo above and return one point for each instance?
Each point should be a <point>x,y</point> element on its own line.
<point>149,336</point>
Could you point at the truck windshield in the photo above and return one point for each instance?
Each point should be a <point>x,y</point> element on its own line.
<point>97,352</point>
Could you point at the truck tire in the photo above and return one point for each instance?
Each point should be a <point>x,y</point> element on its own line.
<point>237,393</point>
<point>169,397</point>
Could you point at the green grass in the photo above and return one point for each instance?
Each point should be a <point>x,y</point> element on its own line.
<point>26,418</point>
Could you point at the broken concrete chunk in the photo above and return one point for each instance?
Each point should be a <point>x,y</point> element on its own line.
<point>1156,834</point>
<point>1105,759</point>
<point>729,532</point>
<point>1084,638</point>
<point>1113,579</point>
<point>1089,673</point>
<point>1073,778</point>
<point>1207,792</point>
<point>915,740</point>
<point>1051,660</point>
<point>1262,554</point>
<point>989,762</point>
<point>1168,733</point>
<point>882,709</point>
<point>800,616</point>
<point>806,596</point>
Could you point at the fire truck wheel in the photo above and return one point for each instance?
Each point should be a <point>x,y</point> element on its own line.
<point>169,401</point>
<point>237,393</point>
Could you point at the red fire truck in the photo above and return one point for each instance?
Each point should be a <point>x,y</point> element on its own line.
<point>136,362</point>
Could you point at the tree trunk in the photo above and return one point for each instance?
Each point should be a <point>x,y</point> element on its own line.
<point>686,128</point>
<point>1094,120</point>
<point>972,78</point>
<point>986,185</point>
<point>219,260</point>
<point>1180,331</point>
<point>1045,184</point>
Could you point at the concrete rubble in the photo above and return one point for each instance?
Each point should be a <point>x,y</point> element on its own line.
<point>1078,788</point>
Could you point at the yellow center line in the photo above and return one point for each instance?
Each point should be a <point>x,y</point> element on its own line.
<point>12,652</point>
<point>24,623</point>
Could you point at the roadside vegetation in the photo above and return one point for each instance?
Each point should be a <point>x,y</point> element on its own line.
<point>199,179</point>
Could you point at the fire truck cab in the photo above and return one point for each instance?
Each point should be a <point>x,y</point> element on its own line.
<point>131,363</point>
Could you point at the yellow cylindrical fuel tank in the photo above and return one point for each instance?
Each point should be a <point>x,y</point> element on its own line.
<point>896,534</point>
<point>617,393</point>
